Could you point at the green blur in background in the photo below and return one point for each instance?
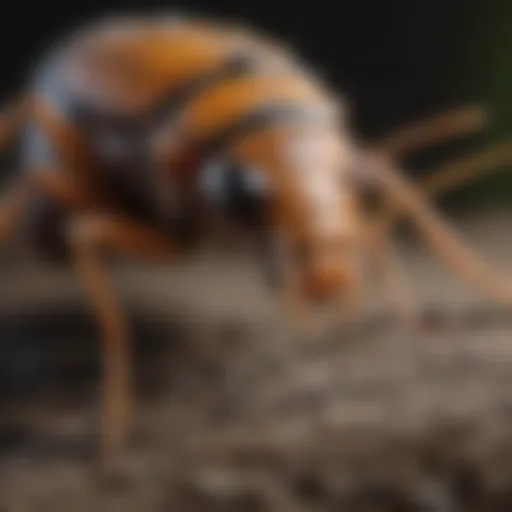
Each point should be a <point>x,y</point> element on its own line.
<point>485,73</point>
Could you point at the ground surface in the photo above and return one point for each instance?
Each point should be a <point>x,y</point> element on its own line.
<point>234,413</point>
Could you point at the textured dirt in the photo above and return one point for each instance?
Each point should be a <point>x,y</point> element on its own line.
<point>235,412</point>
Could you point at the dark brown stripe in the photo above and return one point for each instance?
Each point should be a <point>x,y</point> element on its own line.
<point>262,118</point>
<point>176,98</point>
<point>168,105</point>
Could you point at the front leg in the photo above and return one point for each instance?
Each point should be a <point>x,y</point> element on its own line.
<point>89,236</point>
<point>95,228</point>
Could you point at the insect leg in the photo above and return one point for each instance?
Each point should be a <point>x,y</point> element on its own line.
<point>87,236</point>
<point>90,236</point>
<point>467,168</point>
<point>436,129</point>
<point>455,173</point>
<point>442,239</point>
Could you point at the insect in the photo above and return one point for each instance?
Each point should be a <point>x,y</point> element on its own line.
<point>116,124</point>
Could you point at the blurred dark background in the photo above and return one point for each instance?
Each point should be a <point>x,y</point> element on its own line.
<point>395,60</point>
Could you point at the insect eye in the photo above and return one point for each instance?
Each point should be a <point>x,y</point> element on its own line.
<point>240,192</point>
<point>221,181</point>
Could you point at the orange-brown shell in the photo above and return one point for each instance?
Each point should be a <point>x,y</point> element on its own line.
<point>131,64</point>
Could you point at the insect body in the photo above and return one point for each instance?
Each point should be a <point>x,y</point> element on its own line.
<point>117,125</point>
